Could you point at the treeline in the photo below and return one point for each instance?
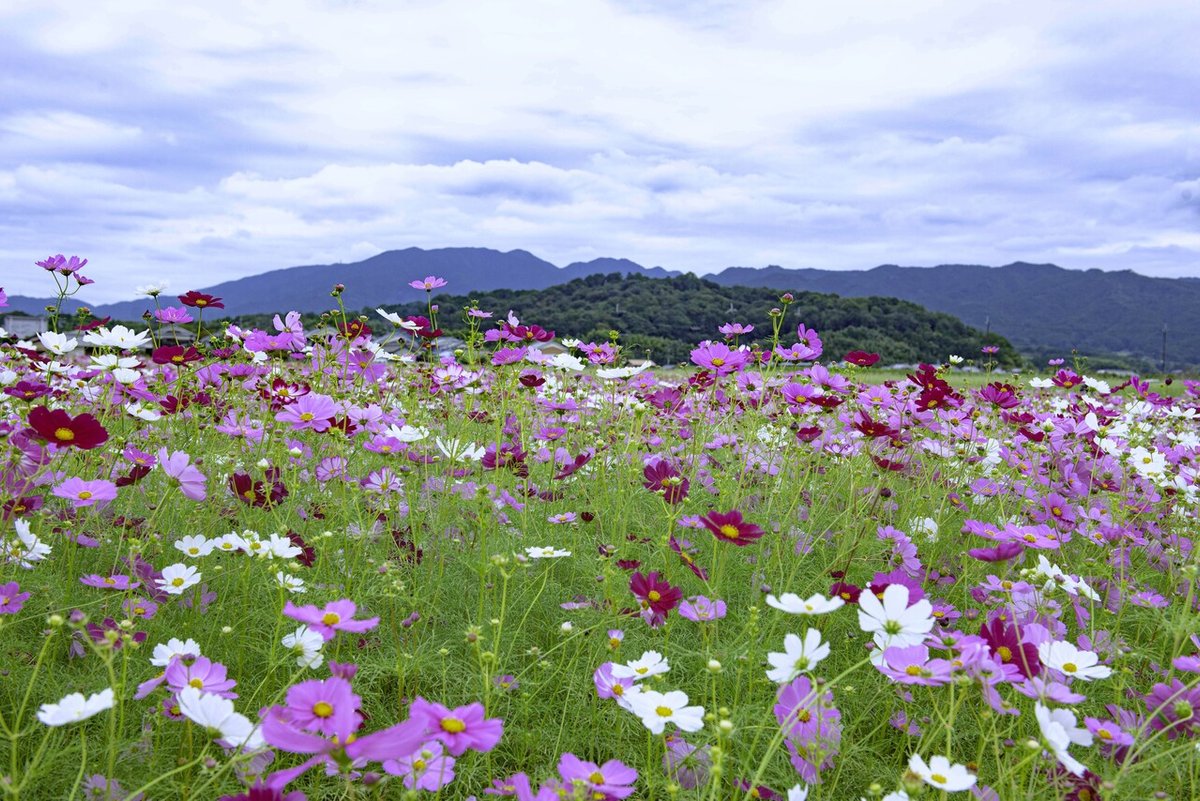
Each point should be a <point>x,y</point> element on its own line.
<point>664,318</point>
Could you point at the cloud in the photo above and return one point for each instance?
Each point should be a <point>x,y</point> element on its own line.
<point>200,141</point>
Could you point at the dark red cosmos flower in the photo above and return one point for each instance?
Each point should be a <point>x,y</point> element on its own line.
<point>847,592</point>
<point>425,328</point>
<point>655,593</point>
<point>308,555</point>
<point>27,390</point>
<point>19,507</point>
<point>93,324</point>
<point>175,354</point>
<point>1007,646</point>
<point>862,358</point>
<point>58,427</point>
<point>353,329</point>
<point>873,428</point>
<point>662,476</point>
<point>731,527</point>
<point>574,466</point>
<point>808,433</point>
<point>261,792</point>
<point>531,379</point>
<point>199,300</point>
<point>135,474</point>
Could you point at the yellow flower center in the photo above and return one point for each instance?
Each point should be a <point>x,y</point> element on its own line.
<point>913,670</point>
<point>730,531</point>
<point>937,778</point>
<point>64,434</point>
<point>1005,653</point>
<point>331,619</point>
<point>322,709</point>
<point>596,777</point>
<point>177,582</point>
<point>197,683</point>
<point>110,580</point>
<point>718,362</point>
<point>1069,667</point>
<point>418,764</point>
<point>85,495</point>
<point>664,711</point>
<point>453,725</point>
<point>1104,734</point>
<point>306,416</point>
<point>654,595</point>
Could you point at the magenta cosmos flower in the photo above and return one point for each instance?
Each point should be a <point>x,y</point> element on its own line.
<point>179,467</point>
<point>731,527</point>
<point>86,493</point>
<point>458,729</point>
<point>718,357</point>
<point>334,617</point>
<point>114,582</point>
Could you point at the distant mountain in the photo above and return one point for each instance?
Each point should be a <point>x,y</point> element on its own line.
<point>382,279</point>
<point>36,306</point>
<point>1040,308</point>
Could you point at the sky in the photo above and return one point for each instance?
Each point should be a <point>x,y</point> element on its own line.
<point>199,142</point>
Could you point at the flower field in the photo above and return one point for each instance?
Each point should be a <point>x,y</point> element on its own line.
<point>287,565</point>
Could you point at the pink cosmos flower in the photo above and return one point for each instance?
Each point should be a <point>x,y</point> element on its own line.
<point>613,779</point>
<point>428,768</point>
<point>461,728</point>
<point>204,674</point>
<point>429,283</point>
<point>718,357</point>
<point>334,617</point>
<point>336,706</point>
<point>312,411</point>
<point>11,598</point>
<point>115,582</point>
<point>179,467</point>
<point>86,493</point>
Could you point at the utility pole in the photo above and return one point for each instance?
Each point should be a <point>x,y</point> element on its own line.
<point>1164,349</point>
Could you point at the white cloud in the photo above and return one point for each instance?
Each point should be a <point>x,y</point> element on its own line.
<point>211,139</point>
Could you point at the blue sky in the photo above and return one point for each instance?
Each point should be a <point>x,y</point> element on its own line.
<point>197,142</point>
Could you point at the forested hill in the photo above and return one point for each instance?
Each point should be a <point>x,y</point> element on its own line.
<point>668,316</point>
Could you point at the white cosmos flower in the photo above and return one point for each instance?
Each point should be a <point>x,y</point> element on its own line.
<point>135,409</point>
<point>407,433</point>
<point>799,656</point>
<point>126,376</point>
<point>1059,731</point>
<point>75,708</point>
<point>26,549</point>
<point>1071,661</point>
<point>292,584</point>
<point>280,547</point>
<point>941,773</point>
<point>177,578</point>
<point>397,320</point>
<point>798,793</point>
<point>306,644</point>
<point>216,715</point>
<point>195,546</point>
<point>892,622</point>
<point>813,605</point>
<point>58,344</point>
<point>565,361</point>
<point>650,663</point>
<point>163,654</point>
<point>546,552</point>
<point>457,451</point>
<point>658,709</point>
<point>623,372</point>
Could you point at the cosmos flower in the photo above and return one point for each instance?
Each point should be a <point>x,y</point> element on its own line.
<point>941,773</point>
<point>459,729</point>
<point>332,618</point>
<point>75,707</point>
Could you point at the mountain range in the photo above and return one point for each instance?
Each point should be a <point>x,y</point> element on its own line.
<point>1042,309</point>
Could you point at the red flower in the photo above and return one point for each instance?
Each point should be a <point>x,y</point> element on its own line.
<point>847,592</point>
<point>199,300</point>
<point>59,428</point>
<point>175,354</point>
<point>731,527</point>
<point>655,593</point>
<point>862,358</point>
